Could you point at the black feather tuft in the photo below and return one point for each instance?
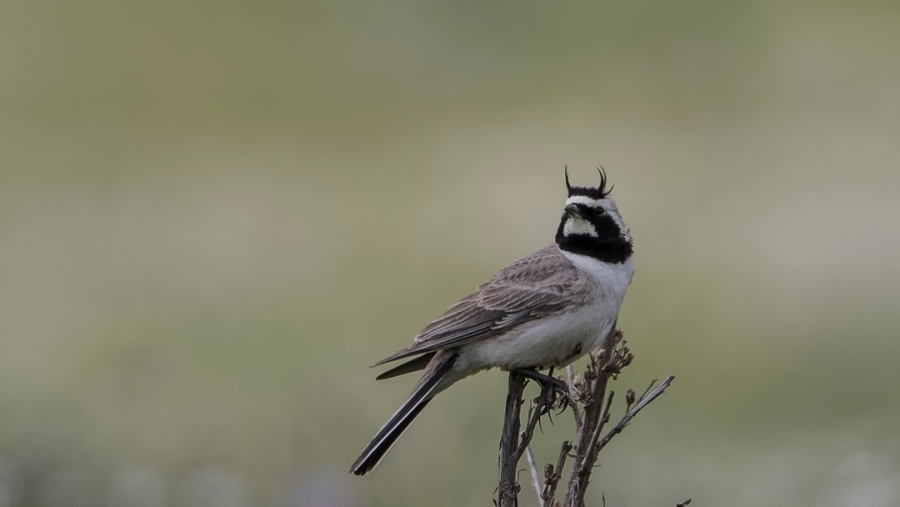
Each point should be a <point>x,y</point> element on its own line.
<point>599,192</point>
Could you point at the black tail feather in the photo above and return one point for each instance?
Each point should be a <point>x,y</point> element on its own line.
<point>394,427</point>
<point>371,457</point>
<point>416,364</point>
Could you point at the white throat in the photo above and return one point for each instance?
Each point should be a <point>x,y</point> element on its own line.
<point>577,225</point>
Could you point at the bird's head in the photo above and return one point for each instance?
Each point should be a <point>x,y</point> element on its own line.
<point>591,224</point>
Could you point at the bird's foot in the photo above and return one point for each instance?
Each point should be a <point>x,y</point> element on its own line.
<point>554,392</point>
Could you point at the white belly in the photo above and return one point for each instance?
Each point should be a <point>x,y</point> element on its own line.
<point>560,339</point>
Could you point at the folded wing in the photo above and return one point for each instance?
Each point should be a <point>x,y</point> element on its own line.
<point>535,285</point>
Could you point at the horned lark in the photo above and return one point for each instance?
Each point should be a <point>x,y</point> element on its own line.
<point>544,310</point>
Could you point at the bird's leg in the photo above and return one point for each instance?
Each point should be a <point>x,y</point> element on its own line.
<point>550,387</point>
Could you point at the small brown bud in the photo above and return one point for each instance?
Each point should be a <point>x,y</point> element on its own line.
<point>629,397</point>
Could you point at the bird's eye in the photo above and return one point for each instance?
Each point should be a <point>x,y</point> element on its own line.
<point>599,211</point>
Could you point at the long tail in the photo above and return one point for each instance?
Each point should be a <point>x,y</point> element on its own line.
<point>394,427</point>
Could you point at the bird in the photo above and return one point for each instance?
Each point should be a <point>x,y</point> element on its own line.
<point>542,311</point>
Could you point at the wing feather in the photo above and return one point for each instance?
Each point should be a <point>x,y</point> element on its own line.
<point>533,286</point>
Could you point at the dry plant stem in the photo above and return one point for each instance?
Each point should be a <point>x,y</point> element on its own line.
<point>607,365</point>
<point>629,415</point>
<point>508,488</point>
<point>553,475</point>
<point>596,377</point>
<point>604,418</point>
<point>590,394</point>
<point>576,410</point>
<point>534,417</point>
<point>535,481</point>
<point>581,468</point>
<point>512,443</point>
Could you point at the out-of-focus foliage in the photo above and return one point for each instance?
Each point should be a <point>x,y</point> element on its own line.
<point>215,215</point>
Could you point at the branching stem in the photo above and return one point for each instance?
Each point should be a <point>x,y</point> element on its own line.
<point>591,405</point>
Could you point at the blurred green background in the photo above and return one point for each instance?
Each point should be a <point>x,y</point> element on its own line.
<point>215,215</point>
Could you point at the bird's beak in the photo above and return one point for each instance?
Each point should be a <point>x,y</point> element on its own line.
<point>573,211</point>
